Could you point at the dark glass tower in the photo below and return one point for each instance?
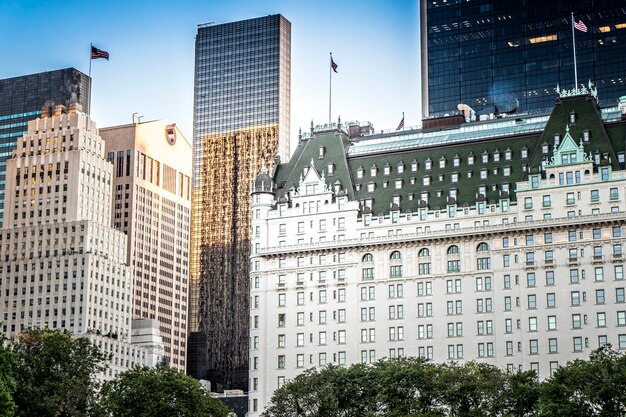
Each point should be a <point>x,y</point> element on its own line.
<point>241,121</point>
<point>21,100</point>
<point>495,55</point>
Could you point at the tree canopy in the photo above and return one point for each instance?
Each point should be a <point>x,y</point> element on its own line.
<point>55,374</point>
<point>158,392</point>
<point>419,388</point>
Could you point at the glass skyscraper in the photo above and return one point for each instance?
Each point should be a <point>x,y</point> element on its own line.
<point>498,56</point>
<point>241,121</point>
<point>21,100</point>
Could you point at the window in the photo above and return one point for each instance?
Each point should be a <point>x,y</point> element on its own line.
<point>576,321</point>
<point>551,300</point>
<point>530,279</point>
<point>619,295</point>
<point>551,322</point>
<point>578,344</point>
<point>549,277</point>
<point>553,346</point>
<point>601,319</point>
<point>282,300</point>
<point>532,324</point>
<point>395,271</point>
<point>533,347</point>
<point>575,298</point>
<point>619,272</point>
<point>573,276</point>
<point>532,301</point>
<point>281,361</point>
<point>621,318</point>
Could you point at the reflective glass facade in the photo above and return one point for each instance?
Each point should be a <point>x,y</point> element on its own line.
<point>21,99</point>
<point>489,54</point>
<point>241,120</point>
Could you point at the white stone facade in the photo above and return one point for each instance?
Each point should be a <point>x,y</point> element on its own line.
<point>62,266</point>
<point>528,285</point>
<point>152,206</point>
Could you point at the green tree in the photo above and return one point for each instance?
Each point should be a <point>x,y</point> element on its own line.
<point>407,387</point>
<point>7,382</point>
<point>472,390</point>
<point>596,387</point>
<point>309,394</point>
<point>55,374</point>
<point>158,392</point>
<point>521,393</point>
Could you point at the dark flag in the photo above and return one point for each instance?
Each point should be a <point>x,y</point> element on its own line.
<point>98,53</point>
<point>401,124</point>
<point>333,65</point>
<point>580,26</point>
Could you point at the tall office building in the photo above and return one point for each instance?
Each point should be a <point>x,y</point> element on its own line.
<point>21,99</point>
<point>152,206</point>
<point>500,241</point>
<point>241,121</point>
<point>63,265</point>
<point>496,56</point>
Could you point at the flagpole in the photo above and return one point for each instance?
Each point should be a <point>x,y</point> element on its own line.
<point>90,46</point>
<point>403,124</point>
<point>330,86</point>
<point>574,45</point>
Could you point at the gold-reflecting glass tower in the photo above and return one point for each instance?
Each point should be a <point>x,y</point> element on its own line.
<point>241,121</point>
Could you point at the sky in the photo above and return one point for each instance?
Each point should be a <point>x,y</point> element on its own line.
<point>151,44</point>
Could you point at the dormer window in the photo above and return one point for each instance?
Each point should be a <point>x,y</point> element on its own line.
<point>507,155</point>
<point>456,161</point>
<point>426,180</point>
<point>496,156</point>
<point>557,140</point>
<point>470,159</point>
<point>524,153</point>
<point>483,174</point>
<point>485,157</point>
<point>442,162</point>
<point>429,164</point>
<point>322,152</point>
<point>371,187</point>
<point>586,136</point>
<point>414,166</point>
<point>398,184</point>
<point>400,168</point>
<point>572,118</point>
<point>454,177</point>
<point>373,171</point>
<point>387,169</point>
<point>331,169</point>
<point>544,148</point>
<point>360,172</point>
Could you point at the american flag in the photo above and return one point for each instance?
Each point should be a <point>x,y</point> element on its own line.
<point>401,125</point>
<point>580,26</point>
<point>99,53</point>
<point>333,65</point>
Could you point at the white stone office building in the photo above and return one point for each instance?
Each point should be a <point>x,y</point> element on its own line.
<point>499,241</point>
<point>152,205</point>
<point>62,265</point>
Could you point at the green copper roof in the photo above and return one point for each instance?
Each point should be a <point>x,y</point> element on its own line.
<point>476,161</point>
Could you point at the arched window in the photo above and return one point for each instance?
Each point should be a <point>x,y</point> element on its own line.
<point>423,252</point>
<point>453,249</point>
<point>368,257</point>
<point>482,247</point>
<point>395,255</point>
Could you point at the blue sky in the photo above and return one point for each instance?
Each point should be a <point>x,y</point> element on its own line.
<point>374,42</point>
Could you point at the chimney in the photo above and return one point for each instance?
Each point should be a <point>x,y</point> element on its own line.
<point>59,109</point>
